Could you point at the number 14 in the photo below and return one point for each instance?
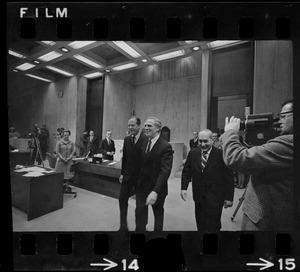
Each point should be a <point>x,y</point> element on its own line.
<point>132,265</point>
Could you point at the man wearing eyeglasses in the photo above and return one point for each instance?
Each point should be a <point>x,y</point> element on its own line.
<point>269,199</point>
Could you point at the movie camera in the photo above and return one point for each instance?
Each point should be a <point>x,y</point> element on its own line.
<point>259,128</point>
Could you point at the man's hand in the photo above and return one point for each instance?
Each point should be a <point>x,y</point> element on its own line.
<point>183,194</point>
<point>151,199</point>
<point>227,204</point>
<point>234,123</point>
<point>121,179</point>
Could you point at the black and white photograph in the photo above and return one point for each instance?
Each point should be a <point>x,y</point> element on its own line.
<point>72,103</point>
<point>128,137</point>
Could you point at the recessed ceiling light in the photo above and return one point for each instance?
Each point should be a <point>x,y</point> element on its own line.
<point>65,49</point>
<point>129,50</point>
<point>37,77</point>
<point>144,60</point>
<point>15,54</point>
<point>169,55</point>
<point>25,66</point>
<point>196,48</point>
<point>107,71</point>
<point>15,70</point>
<point>93,75</point>
<point>124,66</point>
<point>59,70</point>
<point>36,61</point>
<point>80,44</point>
<point>50,56</point>
<point>88,61</point>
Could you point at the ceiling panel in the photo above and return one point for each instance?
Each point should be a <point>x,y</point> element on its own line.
<point>107,52</point>
<point>71,63</point>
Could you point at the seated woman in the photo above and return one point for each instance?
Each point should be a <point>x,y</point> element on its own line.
<point>65,150</point>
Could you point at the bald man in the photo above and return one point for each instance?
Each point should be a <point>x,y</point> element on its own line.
<point>212,183</point>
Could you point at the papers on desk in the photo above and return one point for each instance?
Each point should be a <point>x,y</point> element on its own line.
<point>104,160</point>
<point>15,150</point>
<point>33,174</point>
<point>34,171</point>
<point>30,169</point>
<point>112,163</point>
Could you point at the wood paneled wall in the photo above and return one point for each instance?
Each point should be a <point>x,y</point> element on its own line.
<point>31,103</point>
<point>273,75</point>
<point>171,91</point>
<point>118,104</point>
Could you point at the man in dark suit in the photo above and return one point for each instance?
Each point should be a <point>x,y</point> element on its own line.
<point>131,165</point>
<point>107,147</point>
<point>152,186</point>
<point>270,203</point>
<point>212,181</point>
<point>194,143</point>
<point>92,144</point>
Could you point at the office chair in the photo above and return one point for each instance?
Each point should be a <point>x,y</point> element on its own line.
<point>69,179</point>
<point>67,189</point>
<point>52,162</point>
<point>51,159</point>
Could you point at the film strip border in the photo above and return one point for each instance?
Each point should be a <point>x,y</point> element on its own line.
<point>156,22</point>
<point>153,21</point>
<point>172,250</point>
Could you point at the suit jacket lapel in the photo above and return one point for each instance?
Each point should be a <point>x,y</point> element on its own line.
<point>198,158</point>
<point>154,147</point>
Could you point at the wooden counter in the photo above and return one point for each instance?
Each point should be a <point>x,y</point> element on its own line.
<point>99,178</point>
<point>37,196</point>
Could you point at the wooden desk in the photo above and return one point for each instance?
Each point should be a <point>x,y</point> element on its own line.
<point>99,178</point>
<point>37,196</point>
<point>21,157</point>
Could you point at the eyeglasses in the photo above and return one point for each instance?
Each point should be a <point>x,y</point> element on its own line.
<point>284,115</point>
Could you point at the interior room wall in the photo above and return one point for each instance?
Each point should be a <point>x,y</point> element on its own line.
<point>31,103</point>
<point>273,75</point>
<point>118,103</point>
<point>171,91</point>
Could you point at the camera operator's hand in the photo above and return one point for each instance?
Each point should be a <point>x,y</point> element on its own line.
<point>233,123</point>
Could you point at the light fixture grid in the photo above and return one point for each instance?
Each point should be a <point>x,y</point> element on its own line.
<point>170,55</point>
<point>128,49</point>
<point>55,69</point>
<point>124,66</point>
<point>50,56</point>
<point>87,61</point>
<point>37,77</point>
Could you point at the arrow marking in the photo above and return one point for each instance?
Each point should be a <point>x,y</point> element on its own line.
<point>110,264</point>
<point>266,264</point>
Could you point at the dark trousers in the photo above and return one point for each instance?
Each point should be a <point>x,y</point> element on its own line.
<point>208,219</point>
<point>141,212</point>
<point>127,188</point>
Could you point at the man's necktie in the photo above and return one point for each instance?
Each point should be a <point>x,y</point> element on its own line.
<point>132,139</point>
<point>108,142</point>
<point>148,147</point>
<point>203,159</point>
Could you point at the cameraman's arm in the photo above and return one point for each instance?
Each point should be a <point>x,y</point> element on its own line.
<point>272,155</point>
